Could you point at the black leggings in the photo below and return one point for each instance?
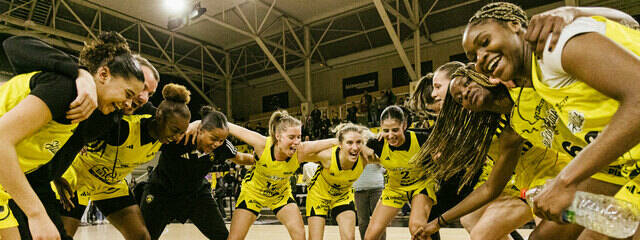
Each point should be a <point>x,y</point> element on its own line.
<point>158,209</point>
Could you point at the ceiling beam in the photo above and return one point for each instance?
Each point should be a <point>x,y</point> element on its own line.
<point>394,38</point>
<point>147,24</point>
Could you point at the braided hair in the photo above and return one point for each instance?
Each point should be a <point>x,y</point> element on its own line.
<point>460,138</point>
<point>501,12</point>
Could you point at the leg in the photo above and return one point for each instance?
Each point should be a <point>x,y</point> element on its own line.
<point>155,212</point>
<point>208,219</point>
<point>362,205</point>
<point>374,196</point>
<point>290,217</point>
<point>470,220</point>
<point>380,219</point>
<point>316,227</point>
<point>130,223</point>
<point>241,221</point>
<point>70,225</point>
<point>347,224</point>
<point>420,209</point>
<point>501,217</point>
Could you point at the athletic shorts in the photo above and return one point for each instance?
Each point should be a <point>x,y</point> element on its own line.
<point>320,203</point>
<point>630,192</point>
<point>7,220</point>
<point>397,197</point>
<point>106,206</point>
<point>90,188</point>
<point>510,189</point>
<point>612,174</point>
<point>255,202</point>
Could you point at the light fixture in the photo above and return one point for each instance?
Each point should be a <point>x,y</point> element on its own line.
<point>181,20</point>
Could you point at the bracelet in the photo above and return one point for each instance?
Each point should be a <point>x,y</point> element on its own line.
<point>442,221</point>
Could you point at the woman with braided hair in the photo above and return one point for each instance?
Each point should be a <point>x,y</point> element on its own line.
<point>592,100</point>
<point>507,207</point>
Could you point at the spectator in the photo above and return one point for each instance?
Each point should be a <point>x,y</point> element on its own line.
<point>365,104</point>
<point>335,120</point>
<point>368,189</point>
<point>374,111</point>
<point>351,113</point>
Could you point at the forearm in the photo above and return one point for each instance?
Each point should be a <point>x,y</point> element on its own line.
<point>252,138</point>
<point>243,159</point>
<point>15,183</point>
<point>613,14</point>
<point>28,54</point>
<point>319,145</point>
<point>620,135</point>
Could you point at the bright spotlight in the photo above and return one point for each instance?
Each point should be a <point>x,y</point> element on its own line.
<point>175,6</point>
<point>185,18</point>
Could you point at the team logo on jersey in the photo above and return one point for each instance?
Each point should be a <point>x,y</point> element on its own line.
<point>149,199</point>
<point>576,121</point>
<point>130,146</point>
<point>388,158</point>
<point>53,146</point>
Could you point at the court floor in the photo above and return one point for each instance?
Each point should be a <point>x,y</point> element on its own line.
<point>258,232</point>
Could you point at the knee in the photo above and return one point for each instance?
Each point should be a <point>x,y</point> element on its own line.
<point>414,225</point>
<point>466,223</point>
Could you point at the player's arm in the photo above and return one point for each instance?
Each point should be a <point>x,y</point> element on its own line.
<point>312,147</point>
<point>243,159</point>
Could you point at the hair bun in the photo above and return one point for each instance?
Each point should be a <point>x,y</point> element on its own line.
<point>176,93</point>
<point>206,109</point>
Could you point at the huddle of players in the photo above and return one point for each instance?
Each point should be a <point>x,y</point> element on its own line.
<point>509,111</point>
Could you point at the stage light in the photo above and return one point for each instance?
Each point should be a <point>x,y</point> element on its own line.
<point>176,7</point>
<point>181,20</point>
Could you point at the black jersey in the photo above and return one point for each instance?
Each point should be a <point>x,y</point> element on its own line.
<point>181,170</point>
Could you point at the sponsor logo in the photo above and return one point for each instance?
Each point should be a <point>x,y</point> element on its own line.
<point>149,198</point>
<point>53,146</point>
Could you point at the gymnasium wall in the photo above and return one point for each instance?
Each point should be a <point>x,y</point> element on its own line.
<point>327,85</point>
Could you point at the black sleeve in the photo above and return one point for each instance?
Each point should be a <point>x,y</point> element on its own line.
<point>375,145</point>
<point>56,91</point>
<point>28,54</point>
<point>116,139</point>
<point>226,151</point>
<point>422,137</point>
<point>148,108</point>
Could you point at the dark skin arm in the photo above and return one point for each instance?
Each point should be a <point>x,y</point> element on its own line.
<point>550,23</point>
<point>510,149</point>
<point>620,81</point>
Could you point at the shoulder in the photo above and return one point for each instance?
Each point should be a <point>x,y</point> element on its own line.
<point>551,63</point>
<point>55,90</point>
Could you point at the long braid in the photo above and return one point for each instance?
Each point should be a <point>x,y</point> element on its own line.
<point>460,139</point>
<point>501,11</point>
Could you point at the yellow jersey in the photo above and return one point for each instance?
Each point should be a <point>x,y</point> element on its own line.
<point>335,180</point>
<point>583,110</point>
<point>400,173</point>
<point>269,177</point>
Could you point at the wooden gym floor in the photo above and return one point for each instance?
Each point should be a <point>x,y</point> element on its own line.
<point>258,232</point>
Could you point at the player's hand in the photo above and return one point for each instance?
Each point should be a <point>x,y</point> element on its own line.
<point>553,200</point>
<point>191,133</point>
<point>87,100</point>
<point>425,232</point>
<point>548,24</point>
<point>42,228</point>
<point>65,192</point>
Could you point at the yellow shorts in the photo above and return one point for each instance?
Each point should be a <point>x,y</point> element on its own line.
<point>612,174</point>
<point>510,189</point>
<point>7,220</point>
<point>89,188</point>
<point>319,202</point>
<point>397,197</point>
<point>630,192</point>
<point>255,202</point>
